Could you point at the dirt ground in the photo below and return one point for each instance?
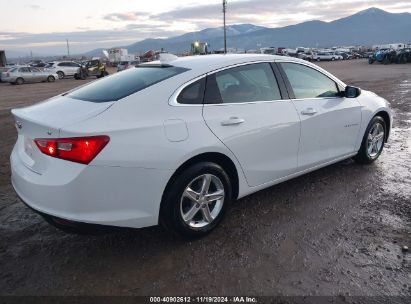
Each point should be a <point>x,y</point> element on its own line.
<point>337,231</point>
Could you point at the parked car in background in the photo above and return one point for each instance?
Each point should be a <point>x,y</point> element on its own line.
<point>357,56</point>
<point>24,74</point>
<point>404,55</point>
<point>63,68</point>
<point>37,64</point>
<point>322,56</point>
<point>345,55</point>
<point>7,67</point>
<point>173,142</point>
<point>124,65</point>
<point>305,56</point>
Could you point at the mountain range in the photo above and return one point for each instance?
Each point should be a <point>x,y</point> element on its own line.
<point>367,27</point>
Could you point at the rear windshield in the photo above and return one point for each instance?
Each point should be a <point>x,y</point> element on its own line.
<point>123,84</point>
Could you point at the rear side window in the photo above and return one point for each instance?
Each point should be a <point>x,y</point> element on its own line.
<point>248,83</point>
<point>193,93</point>
<point>309,83</point>
<point>123,84</point>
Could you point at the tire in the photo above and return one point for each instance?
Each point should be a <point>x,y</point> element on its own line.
<point>19,81</point>
<point>370,61</point>
<point>177,203</point>
<point>60,74</point>
<point>51,79</point>
<point>105,73</point>
<point>386,60</point>
<point>332,59</point>
<point>318,59</point>
<point>372,142</point>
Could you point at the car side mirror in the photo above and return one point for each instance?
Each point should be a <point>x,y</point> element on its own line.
<point>352,92</point>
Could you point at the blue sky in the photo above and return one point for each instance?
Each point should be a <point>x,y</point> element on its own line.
<point>42,26</point>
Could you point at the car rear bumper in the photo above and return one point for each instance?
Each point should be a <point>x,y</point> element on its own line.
<point>8,79</point>
<point>111,196</point>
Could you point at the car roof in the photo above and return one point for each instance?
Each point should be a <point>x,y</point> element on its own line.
<point>201,65</point>
<point>208,63</point>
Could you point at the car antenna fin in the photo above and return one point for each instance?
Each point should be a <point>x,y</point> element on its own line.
<point>166,57</point>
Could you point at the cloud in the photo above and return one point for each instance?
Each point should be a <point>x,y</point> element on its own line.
<point>135,26</point>
<point>81,41</point>
<point>128,16</point>
<point>274,13</point>
<point>35,7</point>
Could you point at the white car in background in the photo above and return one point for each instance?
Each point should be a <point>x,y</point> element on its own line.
<point>172,142</point>
<point>330,56</point>
<point>63,68</point>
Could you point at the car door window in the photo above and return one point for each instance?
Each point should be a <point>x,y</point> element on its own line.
<point>34,70</point>
<point>24,70</point>
<point>309,83</point>
<point>248,83</point>
<point>193,93</point>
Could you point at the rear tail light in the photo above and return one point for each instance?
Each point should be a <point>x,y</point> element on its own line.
<point>76,149</point>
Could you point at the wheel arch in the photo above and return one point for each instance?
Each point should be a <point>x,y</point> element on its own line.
<point>384,115</point>
<point>216,157</point>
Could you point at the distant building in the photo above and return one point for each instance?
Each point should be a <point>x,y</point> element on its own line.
<point>394,46</point>
<point>199,48</point>
<point>116,55</point>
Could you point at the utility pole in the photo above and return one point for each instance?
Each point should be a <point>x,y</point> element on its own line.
<point>225,31</point>
<point>68,49</point>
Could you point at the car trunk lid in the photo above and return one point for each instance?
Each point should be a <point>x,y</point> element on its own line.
<point>45,120</point>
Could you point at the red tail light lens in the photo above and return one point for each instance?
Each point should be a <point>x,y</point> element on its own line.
<point>76,149</point>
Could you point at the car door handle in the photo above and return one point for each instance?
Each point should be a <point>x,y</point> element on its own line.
<point>232,121</point>
<point>309,111</point>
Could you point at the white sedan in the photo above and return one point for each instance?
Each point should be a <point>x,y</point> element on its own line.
<point>172,142</point>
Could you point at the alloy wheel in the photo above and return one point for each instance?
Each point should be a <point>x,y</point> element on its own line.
<point>202,201</point>
<point>375,140</point>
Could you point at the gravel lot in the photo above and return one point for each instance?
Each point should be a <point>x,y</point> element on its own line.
<point>336,231</point>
